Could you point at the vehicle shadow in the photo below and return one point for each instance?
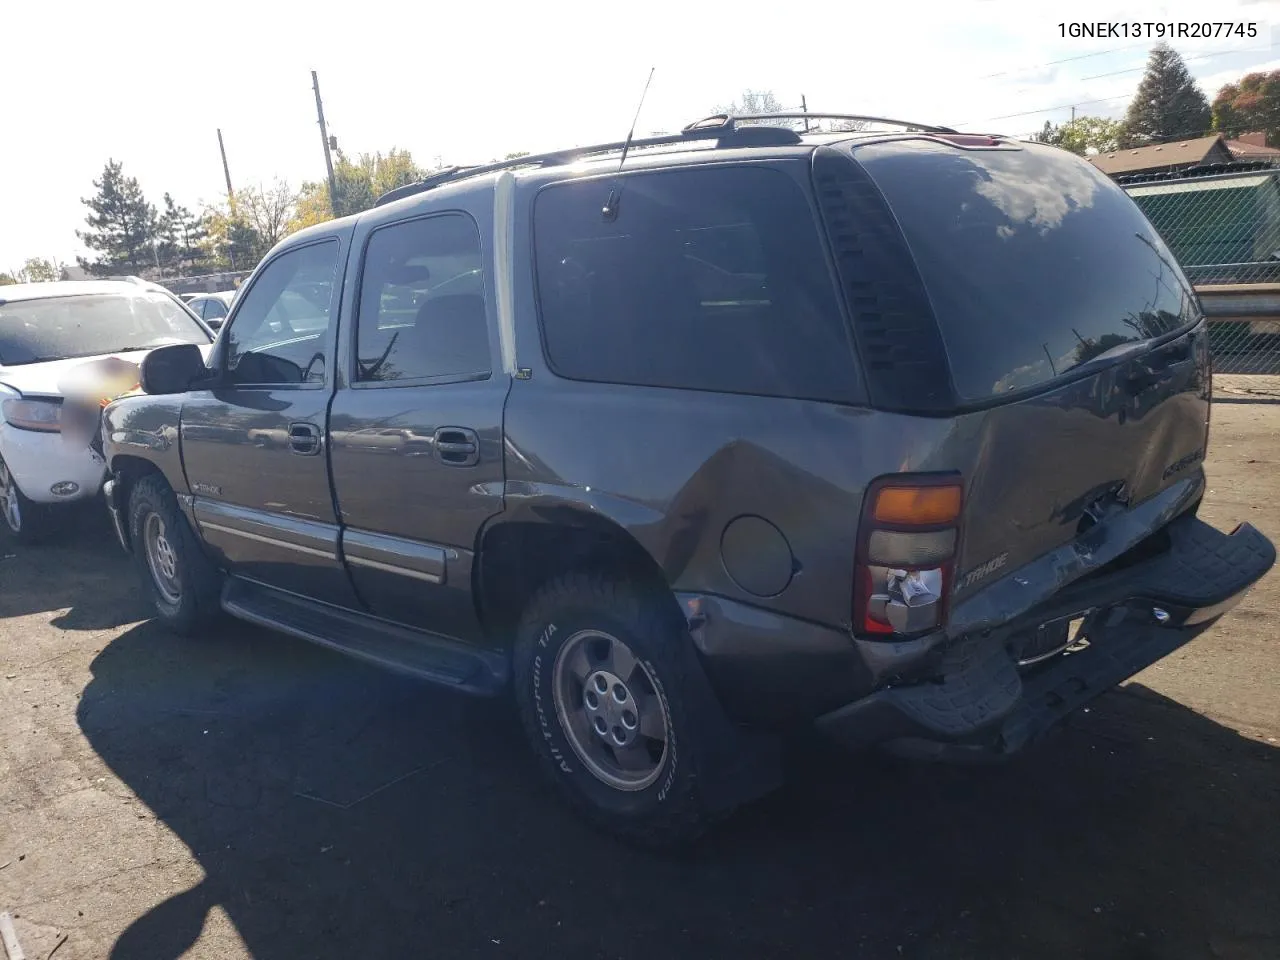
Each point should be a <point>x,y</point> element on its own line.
<point>80,570</point>
<point>338,811</point>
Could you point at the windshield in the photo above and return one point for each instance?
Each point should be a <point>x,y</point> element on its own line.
<point>56,328</point>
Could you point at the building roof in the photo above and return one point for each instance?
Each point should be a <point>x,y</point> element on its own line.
<point>1245,150</point>
<point>1181,153</point>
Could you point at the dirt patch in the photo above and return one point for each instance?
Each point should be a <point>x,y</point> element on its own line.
<point>248,795</point>
<point>1249,386</point>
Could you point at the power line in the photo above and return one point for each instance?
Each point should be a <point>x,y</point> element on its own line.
<point>1031,113</point>
<point>1051,63</point>
<point>1083,56</point>
<point>1062,106</point>
<point>1203,56</point>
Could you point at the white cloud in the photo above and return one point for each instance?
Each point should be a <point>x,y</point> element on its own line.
<point>1041,197</point>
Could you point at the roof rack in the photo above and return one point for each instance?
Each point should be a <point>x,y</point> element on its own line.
<point>810,115</point>
<point>552,159</point>
<point>724,129</point>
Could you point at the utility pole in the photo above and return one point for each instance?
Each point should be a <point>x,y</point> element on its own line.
<point>226,172</point>
<point>324,139</point>
<point>804,108</point>
<point>1073,113</point>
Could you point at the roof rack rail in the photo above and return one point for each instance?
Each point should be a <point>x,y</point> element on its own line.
<point>810,115</point>
<point>722,128</point>
<point>552,159</point>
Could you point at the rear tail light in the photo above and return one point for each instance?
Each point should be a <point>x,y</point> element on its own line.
<point>906,553</point>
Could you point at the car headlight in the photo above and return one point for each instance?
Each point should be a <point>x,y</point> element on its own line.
<point>44,416</point>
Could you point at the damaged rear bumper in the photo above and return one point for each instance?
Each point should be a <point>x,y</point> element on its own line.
<point>979,703</point>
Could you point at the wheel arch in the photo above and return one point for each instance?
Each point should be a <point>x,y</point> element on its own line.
<point>520,552</point>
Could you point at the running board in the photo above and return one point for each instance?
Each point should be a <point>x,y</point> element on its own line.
<point>417,653</point>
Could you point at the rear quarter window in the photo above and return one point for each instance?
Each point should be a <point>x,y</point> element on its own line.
<point>711,279</point>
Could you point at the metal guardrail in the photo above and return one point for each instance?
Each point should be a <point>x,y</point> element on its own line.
<point>1244,326</point>
<point>1223,225</point>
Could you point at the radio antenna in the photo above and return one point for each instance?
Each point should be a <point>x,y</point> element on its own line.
<point>610,211</point>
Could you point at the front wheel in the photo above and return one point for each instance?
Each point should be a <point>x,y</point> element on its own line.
<point>602,679</point>
<point>28,522</point>
<point>181,581</point>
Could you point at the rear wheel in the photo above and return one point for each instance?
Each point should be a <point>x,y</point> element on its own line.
<point>602,682</point>
<point>27,521</point>
<point>182,582</point>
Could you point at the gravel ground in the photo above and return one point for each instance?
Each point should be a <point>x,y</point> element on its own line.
<point>251,796</point>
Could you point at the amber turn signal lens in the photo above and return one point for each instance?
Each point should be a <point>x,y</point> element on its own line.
<point>918,505</point>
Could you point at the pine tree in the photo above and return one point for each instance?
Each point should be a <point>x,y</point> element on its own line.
<point>1168,105</point>
<point>179,233</point>
<point>122,225</point>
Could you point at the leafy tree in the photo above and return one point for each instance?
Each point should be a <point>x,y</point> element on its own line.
<point>396,169</point>
<point>1168,105</point>
<point>122,225</point>
<point>268,210</point>
<point>1082,135</point>
<point>230,240</point>
<point>358,184</point>
<point>312,206</point>
<point>180,233</point>
<point>764,101</point>
<point>39,270</point>
<point>34,270</point>
<point>755,101</point>
<point>1250,104</point>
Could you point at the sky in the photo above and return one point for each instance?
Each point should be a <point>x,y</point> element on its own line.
<point>149,84</point>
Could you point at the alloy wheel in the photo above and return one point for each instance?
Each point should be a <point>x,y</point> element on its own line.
<point>610,710</point>
<point>162,559</point>
<point>9,504</point>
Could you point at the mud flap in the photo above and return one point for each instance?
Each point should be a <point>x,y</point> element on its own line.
<point>739,766</point>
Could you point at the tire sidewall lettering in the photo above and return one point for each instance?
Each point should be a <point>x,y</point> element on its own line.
<point>549,723</point>
<point>668,778</point>
<point>540,707</point>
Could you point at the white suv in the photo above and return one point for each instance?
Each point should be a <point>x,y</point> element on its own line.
<point>65,348</point>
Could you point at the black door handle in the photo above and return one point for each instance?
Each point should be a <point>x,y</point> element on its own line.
<point>304,438</point>
<point>457,446</point>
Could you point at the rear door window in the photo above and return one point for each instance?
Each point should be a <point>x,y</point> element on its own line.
<point>422,305</point>
<point>711,278</point>
<point>1034,261</point>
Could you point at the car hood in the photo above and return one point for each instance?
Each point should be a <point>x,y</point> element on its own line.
<point>45,379</point>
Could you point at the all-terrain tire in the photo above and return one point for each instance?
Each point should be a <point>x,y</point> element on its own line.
<point>673,810</point>
<point>186,603</point>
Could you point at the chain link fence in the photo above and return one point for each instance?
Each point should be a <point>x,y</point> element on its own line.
<point>1223,225</point>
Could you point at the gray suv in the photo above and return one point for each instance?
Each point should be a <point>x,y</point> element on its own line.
<point>895,435</point>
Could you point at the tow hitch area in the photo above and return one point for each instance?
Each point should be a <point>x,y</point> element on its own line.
<point>998,692</point>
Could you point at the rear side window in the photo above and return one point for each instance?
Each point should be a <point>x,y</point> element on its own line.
<point>711,279</point>
<point>422,307</point>
<point>1034,261</point>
